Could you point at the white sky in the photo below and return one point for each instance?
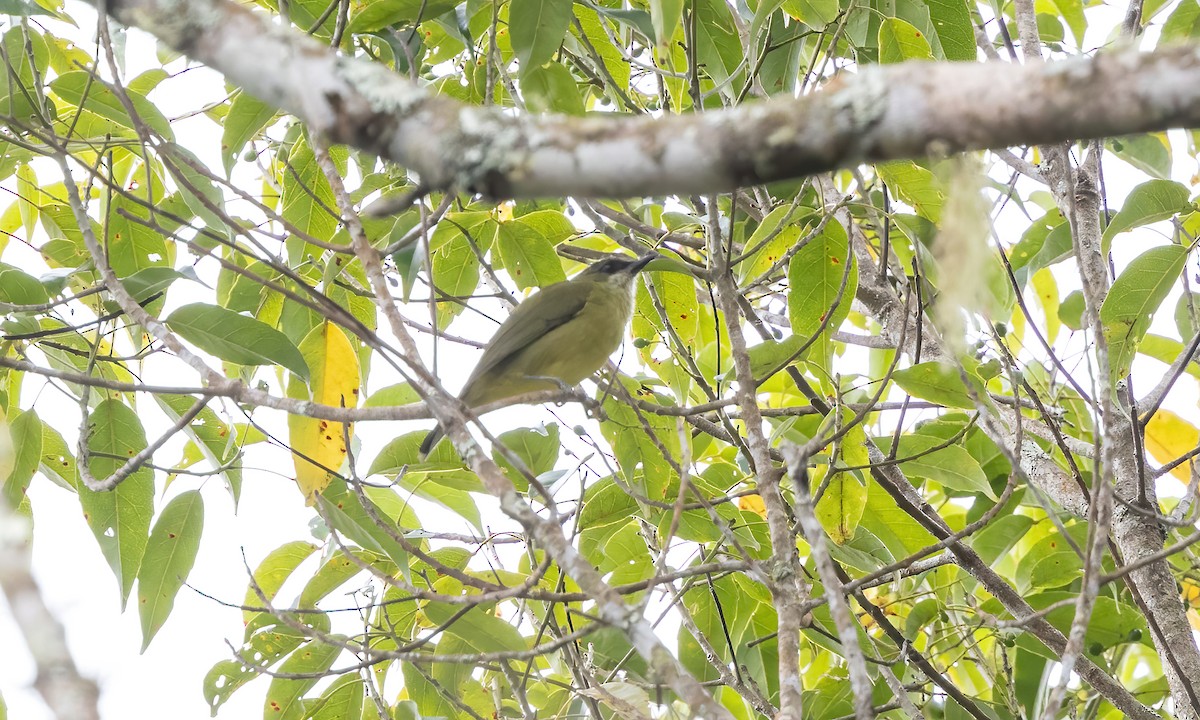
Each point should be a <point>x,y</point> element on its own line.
<point>80,587</point>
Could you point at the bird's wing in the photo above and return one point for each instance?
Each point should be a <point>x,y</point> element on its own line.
<point>557,305</point>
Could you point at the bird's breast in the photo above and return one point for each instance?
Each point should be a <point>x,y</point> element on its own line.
<point>580,347</point>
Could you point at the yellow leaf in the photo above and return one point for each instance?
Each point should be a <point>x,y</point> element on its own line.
<point>8,453</point>
<point>335,379</point>
<point>1047,292</point>
<point>1190,593</point>
<point>752,503</point>
<point>854,443</point>
<point>1168,437</point>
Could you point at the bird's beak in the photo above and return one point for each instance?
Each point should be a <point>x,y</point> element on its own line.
<point>642,262</point>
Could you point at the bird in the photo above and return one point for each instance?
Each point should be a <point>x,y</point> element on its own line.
<point>556,337</point>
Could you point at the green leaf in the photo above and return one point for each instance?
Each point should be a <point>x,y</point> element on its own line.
<point>537,448</point>
<point>270,575</point>
<point>677,293</point>
<point>7,454</point>
<point>634,19</point>
<point>841,506</point>
<point>20,8</point>
<point>896,529</point>
<point>215,440</point>
<point>1051,562</point>
<point>915,186</point>
<point>342,700</point>
<point>236,338</point>
<point>81,89</point>
<point>307,201</point>
<point>348,515</point>
<point>335,572</point>
<point>1046,288</point>
<point>994,541</point>
<point>552,225</point>
<point>665,17</point>
<point>538,28</point>
<point>131,245</point>
<point>198,192</point>
<point>441,478</point>
<point>26,434</point>
<point>638,455</point>
<point>1071,12</point>
<point>380,14</point>
<point>29,198</point>
<point>1150,153</point>
<point>393,395</point>
<point>605,504</point>
<point>1149,202</point>
<point>592,27</point>
<point>762,16</point>
<point>718,47</point>
<point>56,461</point>
<point>1167,351</point>
<point>169,557</point>
<point>17,91</point>
<point>427,696</point>
<point>1182,24</point>
<point>1184,323</point>
<point>455,262</point>
<point>951,466</point>
<point>816,295</point>
<point>266,646</point>
<point>814,13</point>
<point>551,88</point>
<point>246,117</point>
<point>284,697</point>
<point>900,41</point>
<point>1042,246</point>
<point>482,631</point>
<point>120,518</point>
<point>20,288</point>
<point>1070,310</point>
<point>939,383</point>
<point>1132,300</point>
<point>1112,622</point>
<point>145,284</point>
<point>782,66</point>
<point>771,251</point>
<point>952,21</point>
<point>528,257</point>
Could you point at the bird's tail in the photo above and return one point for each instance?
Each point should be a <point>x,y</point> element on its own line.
<point>430,441</point>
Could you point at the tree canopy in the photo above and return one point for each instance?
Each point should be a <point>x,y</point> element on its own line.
<point>902,426</point>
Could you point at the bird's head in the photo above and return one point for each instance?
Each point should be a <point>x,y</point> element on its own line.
<point>616,270</point>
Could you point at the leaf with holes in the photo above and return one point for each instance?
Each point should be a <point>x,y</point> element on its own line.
<point>120,518</point>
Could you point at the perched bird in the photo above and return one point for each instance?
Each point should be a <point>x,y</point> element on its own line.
<point>558,336</point>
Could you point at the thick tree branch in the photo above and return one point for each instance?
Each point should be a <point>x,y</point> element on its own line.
<point>880,113</point>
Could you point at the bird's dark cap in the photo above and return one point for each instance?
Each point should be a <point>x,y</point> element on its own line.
<point>614,265</point>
